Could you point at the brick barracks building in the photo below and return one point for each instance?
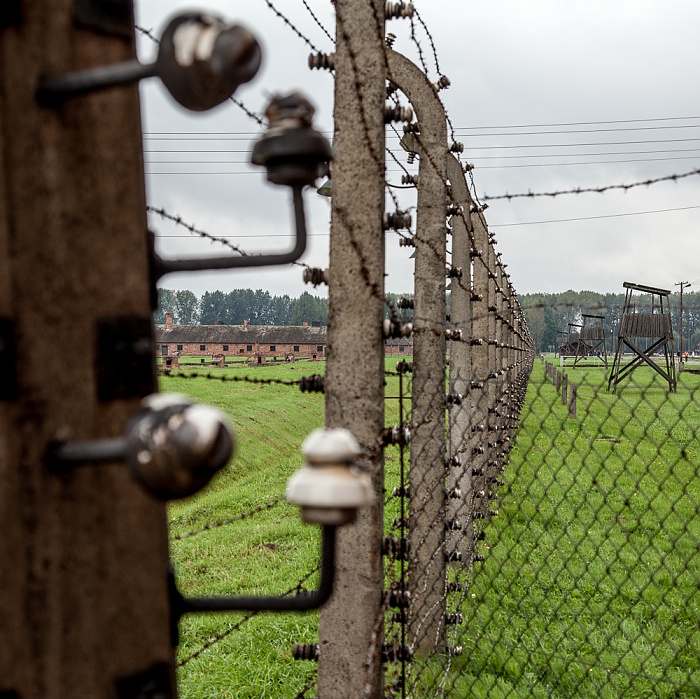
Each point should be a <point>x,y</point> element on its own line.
<point>256,343</point>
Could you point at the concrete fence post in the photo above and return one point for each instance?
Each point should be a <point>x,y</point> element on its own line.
<point>480,360</point>
<point>427,564</point>
<point>354,389</point>
<point>462,441</point>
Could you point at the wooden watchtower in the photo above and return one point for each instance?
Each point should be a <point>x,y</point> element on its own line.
<point>645,328</point>
<point>591,339</point>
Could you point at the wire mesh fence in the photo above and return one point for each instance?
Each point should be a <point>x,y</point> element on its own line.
<point>582,537</point>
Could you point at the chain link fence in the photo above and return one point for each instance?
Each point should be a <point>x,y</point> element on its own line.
<point>567,544</point>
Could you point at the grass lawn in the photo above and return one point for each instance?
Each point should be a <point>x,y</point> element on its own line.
<point>590,583</point>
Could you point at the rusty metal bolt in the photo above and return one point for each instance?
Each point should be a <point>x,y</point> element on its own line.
<point>396,220</point>
<point>395,329</point>
<point>322,61</point>
<point>315,276</point>
<point>305,651</point>
<point>442,83</point>
<point>399,10</point>
<point>397,113</point>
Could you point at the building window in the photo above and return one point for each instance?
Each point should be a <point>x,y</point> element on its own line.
<point>296,348</point>
<point>225,348</point>
<point>179,348</point>
<point>241,350</point>
<point>202,348</point>
<point>273,348</point>
<point>319,348</point>
<point>249,348</point>
<point>402,349</point>
<point>164,350</point>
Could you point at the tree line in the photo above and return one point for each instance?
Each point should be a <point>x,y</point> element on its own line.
<point>257,307</point>
<point>548,315</point>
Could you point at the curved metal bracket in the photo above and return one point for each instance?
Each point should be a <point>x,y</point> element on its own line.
<point>163,267</point>
<point>299,603</point>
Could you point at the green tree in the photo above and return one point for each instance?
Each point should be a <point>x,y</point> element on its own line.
<point>166,304</point>
<point>186,307</point>
<point>212,307</point>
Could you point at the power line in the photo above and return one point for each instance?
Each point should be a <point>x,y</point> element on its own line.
<point>577,145</point>
<point>580,123</point>
<point>540,133</point>
<point>588,162</point>
<point>482,167</point>
<point>592,218</point>
<point>462,128</point>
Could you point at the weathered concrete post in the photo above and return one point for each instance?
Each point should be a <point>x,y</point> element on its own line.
<point>427,565</point>
<point>461,438</point>
<point>84,607</point>
<point>480,359</point>
<point>494,378</point>
<point>355,369</point>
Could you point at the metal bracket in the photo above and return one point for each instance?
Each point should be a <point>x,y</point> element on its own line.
<point>8,360</point>
<point>125,366</point>
<point>154,683</point>
<point>115,17</point>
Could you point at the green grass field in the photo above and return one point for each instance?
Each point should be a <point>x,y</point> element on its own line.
<point>590,584</point>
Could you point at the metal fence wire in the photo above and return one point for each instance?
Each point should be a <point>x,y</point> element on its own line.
<point>558,554</point>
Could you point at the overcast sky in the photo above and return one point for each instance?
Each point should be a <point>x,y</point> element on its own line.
<point>545,95</point>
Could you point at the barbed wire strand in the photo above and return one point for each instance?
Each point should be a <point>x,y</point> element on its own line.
<point>316,19</point>
<point>229,520</point>
<point>178,221</point>
<point>292,26</point>
<point>221,636</point>
<point>595,190</point>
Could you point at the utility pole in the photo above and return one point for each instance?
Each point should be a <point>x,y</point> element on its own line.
<point>354,387</point>
<point>84,604</point>
<point>680,322</point>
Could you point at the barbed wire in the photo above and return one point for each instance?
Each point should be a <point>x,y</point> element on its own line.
<point>414,39</point>
<point>178,221</point>
<point>595,190</point>
<point>307,384</point>
<point>292,26</point>
<point>221,636</point>
<point>430,39</point>
<point>310,683</point>
<point>229,520</point>
<point>316,19</point>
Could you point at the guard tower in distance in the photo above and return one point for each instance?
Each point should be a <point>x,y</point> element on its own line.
<point>591,339</point>
<point>645,328</point>
<point>570,347</point>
